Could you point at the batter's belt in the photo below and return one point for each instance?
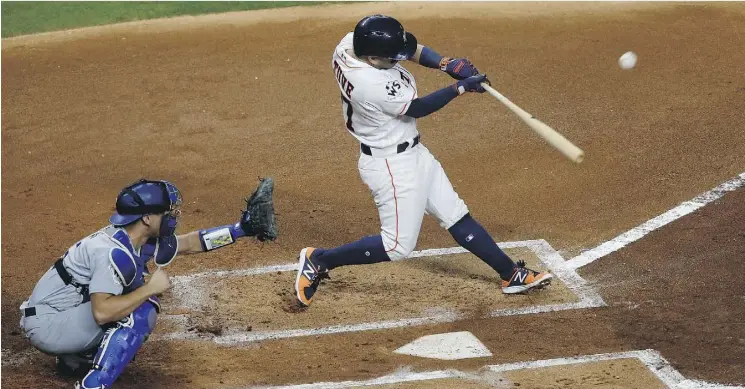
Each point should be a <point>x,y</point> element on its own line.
<point>400,148</point>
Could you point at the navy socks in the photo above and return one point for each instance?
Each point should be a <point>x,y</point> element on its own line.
<point>367,250</point>
<point>467,232</point>
<point>474,238</point>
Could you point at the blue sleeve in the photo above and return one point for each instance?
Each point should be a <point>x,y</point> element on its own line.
<point>429,58</point>
<point>431,103</point>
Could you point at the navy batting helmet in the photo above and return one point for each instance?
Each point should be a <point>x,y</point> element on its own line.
<point>383,36</point>
<point>145,197</point>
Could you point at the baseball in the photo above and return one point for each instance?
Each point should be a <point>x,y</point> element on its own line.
<point>627,60</point>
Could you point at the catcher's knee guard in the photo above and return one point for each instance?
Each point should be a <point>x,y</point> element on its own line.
<point>119,346</point>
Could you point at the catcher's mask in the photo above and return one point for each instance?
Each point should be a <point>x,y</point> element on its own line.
<point>146,197</point>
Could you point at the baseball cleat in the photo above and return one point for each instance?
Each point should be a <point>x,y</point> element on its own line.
<point>524,279</point>
<point>68,368</point>
<point>308,277</point>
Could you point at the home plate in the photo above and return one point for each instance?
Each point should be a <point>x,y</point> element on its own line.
<point>449,346</point>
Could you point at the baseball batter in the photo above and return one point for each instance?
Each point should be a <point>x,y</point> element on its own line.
<point>380,105</point>
<point>94,308</point>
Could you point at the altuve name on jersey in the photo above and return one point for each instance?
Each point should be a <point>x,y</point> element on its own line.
<point>345,85</point>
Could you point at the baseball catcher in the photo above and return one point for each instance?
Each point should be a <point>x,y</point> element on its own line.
<point>94,308</point>
<point>380,105</point>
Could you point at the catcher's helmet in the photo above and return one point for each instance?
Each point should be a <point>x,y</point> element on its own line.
<point>383,36</point>
<point>145,197</point>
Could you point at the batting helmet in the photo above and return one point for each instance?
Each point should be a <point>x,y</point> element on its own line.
<point>383,36</point>
<point>145,197</point>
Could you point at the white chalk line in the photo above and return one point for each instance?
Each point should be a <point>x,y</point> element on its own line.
<point>395,378</point>
<point>652,359</point>
<point>189,296</point>
<point>645,228</point>
<point>660,367</point>
<point>247,337</point>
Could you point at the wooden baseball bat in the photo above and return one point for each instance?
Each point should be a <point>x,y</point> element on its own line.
<point>574,153</point>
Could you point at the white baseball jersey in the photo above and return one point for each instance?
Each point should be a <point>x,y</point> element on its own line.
<point>407,184</point>
<point>374,100</point>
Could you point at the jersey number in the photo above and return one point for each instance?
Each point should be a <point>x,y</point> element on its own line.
<point>348,103</point>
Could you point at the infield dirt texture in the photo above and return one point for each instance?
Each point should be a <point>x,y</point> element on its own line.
<point>213,102</point>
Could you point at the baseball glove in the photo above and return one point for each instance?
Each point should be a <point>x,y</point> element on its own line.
<point>258,218</point>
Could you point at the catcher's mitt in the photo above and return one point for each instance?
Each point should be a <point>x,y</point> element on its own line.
<point>258,218</point>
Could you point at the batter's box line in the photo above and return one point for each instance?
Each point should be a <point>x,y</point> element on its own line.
<point>657,222</point>
<point>652,359</point>
<point>191,296</point>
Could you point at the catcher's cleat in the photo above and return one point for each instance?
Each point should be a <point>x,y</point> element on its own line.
<point>524,279</point>
<point>68,369</point>
<point>309,275</point>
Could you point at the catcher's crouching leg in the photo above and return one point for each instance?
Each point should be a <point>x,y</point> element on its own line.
<point>119,346</point>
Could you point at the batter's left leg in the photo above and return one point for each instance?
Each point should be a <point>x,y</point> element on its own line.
<point>399,188</point>
<point>398,185</point>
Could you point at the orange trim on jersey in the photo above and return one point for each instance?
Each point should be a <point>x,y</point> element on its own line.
<point>406,107</point>
<point>395,201</point>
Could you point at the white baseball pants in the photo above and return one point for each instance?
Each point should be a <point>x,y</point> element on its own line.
<point>405,186</point>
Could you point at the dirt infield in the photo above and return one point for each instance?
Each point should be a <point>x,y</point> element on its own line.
<point>212,103</point>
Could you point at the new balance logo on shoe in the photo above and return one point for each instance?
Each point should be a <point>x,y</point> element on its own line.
<point>309,273</point>
<point>525,279</point>
<point>308,277</point>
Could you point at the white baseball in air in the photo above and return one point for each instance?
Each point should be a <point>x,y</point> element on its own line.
<point>627,60</point>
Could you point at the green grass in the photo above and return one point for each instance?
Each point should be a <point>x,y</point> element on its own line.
<point>24,17</point>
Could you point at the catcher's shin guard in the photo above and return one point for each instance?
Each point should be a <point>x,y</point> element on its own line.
<point>119,346</point>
